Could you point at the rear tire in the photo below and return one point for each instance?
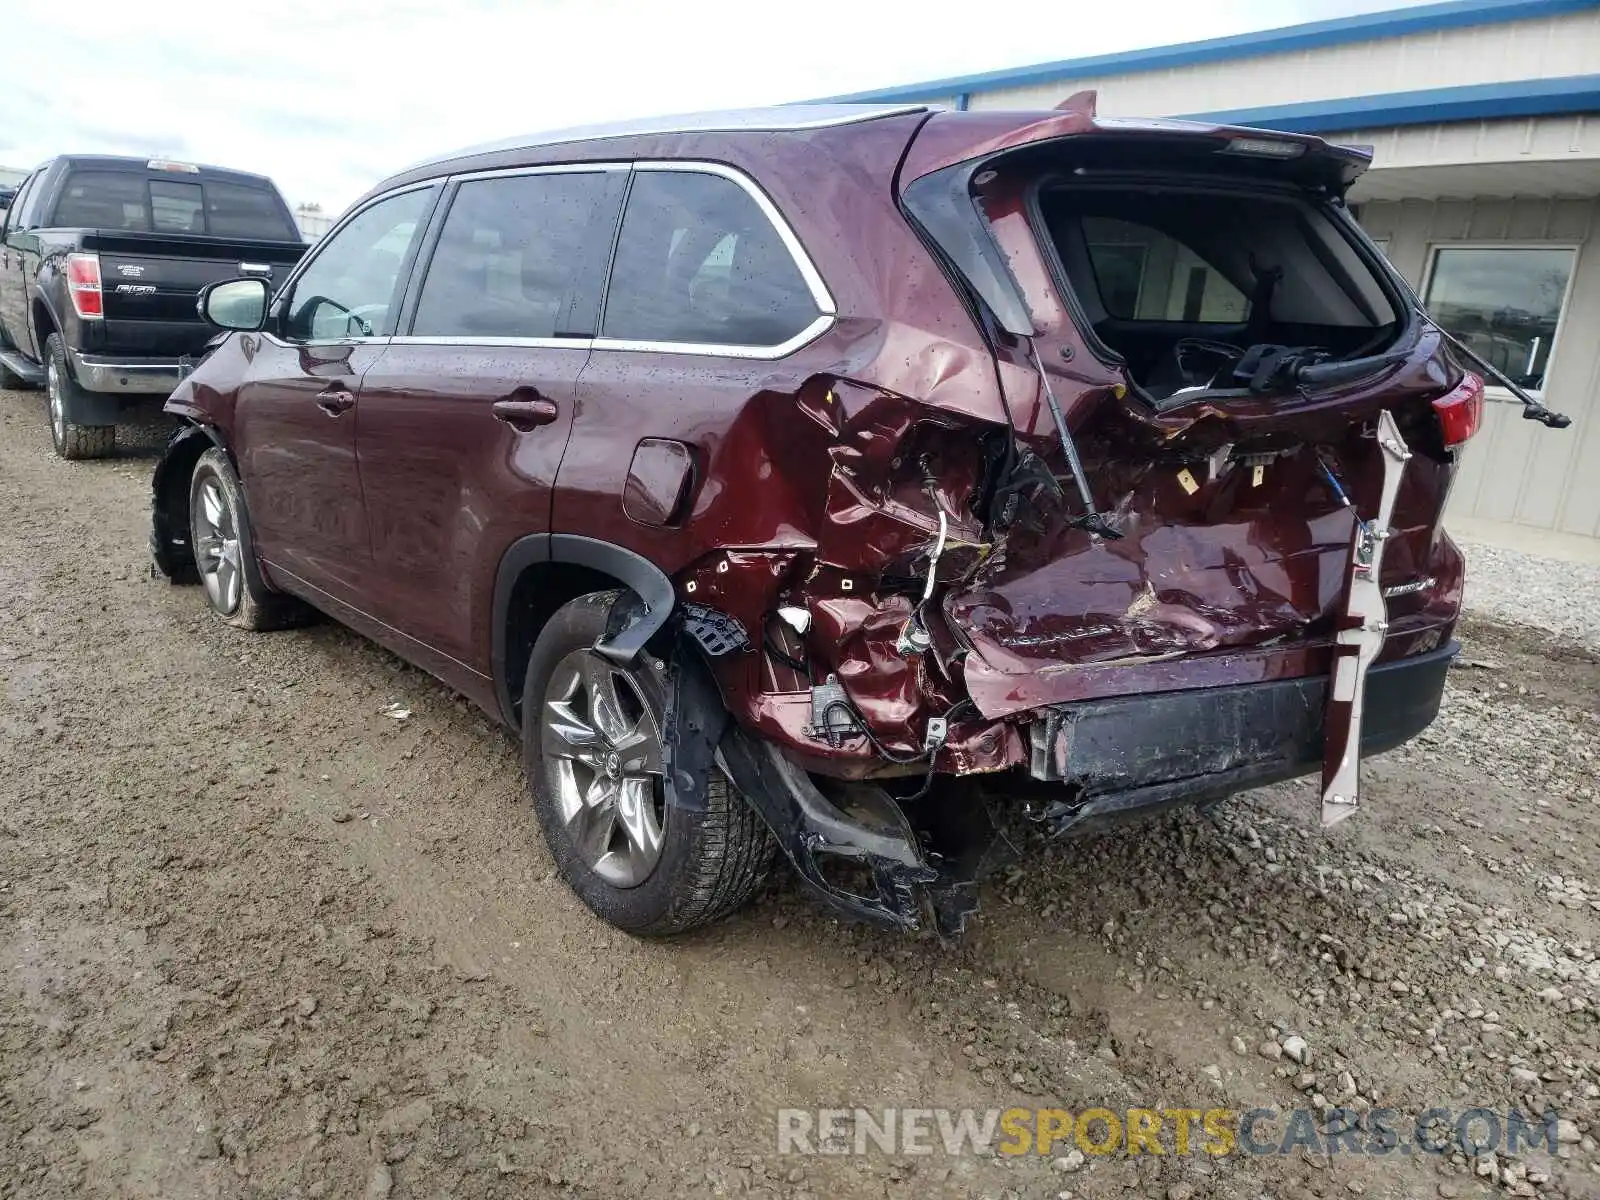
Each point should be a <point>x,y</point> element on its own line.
<point>593,771</point>
<point>232,584</point>
<point>72,441</point>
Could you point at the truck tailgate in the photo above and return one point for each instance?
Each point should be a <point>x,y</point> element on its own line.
<point>160,282</point>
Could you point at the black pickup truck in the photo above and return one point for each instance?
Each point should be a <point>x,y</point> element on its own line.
<point>101,263</point>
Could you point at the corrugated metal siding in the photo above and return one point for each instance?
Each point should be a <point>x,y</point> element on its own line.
<point>1529,139</point>
<point>1516,470</point>
<point>1517,50</point>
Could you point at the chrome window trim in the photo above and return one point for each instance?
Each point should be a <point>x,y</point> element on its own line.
<point>374,340</point>
<point>810,333</point>
<point>536,343</point>
<point>578,168</point>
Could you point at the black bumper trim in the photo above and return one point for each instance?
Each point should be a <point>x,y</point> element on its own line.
<point>1135,752</point>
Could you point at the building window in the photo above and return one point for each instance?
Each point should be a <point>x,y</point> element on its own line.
<point>1146,275</point>
<point>1504,302</point>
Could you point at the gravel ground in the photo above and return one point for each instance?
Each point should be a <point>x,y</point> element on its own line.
<point>1531,589</point>
<point>262,940</point>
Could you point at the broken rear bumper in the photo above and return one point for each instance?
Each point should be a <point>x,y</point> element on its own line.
<point>1139,752</point>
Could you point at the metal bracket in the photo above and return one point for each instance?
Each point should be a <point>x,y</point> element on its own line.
<point>1360,638</point>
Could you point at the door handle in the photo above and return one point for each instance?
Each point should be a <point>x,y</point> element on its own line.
<point>335,401</point>
<point>525,411</point>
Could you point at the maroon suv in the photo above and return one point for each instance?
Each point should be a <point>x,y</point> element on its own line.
<point>851,480</point>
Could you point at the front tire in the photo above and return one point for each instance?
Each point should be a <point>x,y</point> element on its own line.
<point>72,441</point>
<point>591,746</point>
<point>232,584</point>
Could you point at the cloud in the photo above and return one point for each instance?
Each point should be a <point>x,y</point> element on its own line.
<point>328,98</point>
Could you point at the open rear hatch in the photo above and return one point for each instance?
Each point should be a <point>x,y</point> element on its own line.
<point>1214,372</point>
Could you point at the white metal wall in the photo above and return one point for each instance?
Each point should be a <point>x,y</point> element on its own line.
<point>1517,470</point>
<point>1501,53</point>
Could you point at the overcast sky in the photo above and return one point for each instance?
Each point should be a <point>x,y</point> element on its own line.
<point>328,96</point>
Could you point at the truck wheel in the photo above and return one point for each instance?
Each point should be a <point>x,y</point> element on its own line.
<point>71,441</point>
<point>232,586</point>
<point>591,744</point>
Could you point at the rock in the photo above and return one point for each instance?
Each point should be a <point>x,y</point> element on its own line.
<point>1552,995</point>
<point>306,1005</point>
<point>380,1182</point>
<point>1296,1048</point>
<point>205,1145</point>
<point>405,1120</point>
<point>1449,1190</point>
<point>1180,1191</point>
<point>1523,1075</point>
<point>1270,1049</point>
<point>1346,1084</point>
<point>1238,1045</point>
<point>1072,1160</point>
<point>1485,1167</point>
<point>1567,1132</point>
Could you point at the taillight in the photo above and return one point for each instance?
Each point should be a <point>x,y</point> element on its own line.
<point>83,285</point>
<point>1461,410</point>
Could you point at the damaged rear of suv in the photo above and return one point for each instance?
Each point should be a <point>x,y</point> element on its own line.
<point>853,480</point>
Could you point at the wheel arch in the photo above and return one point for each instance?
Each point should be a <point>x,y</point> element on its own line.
<point>541,572</point>
<point>45,323</point>
<point>169,500</point>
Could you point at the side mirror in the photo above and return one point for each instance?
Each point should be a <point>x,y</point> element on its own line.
<point>235,304</point>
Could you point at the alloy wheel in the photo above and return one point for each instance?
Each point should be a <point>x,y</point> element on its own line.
<point>602,751</point>
<point>58,407</point>
<point>216,547</point>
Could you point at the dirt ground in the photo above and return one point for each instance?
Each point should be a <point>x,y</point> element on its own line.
<point>262,939</point>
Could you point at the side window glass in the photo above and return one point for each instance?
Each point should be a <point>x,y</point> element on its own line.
<point>16,218</point>
<point>1144,274</point>
<point>349,288</point>
<point>511,256</point>
<point>698,262</point>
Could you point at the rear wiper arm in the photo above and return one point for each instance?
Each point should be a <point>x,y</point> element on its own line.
<point>1327,374</point>
<point>1532,410</point>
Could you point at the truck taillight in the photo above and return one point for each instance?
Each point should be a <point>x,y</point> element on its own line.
<point>83,285</point>
<point>1461,410</point>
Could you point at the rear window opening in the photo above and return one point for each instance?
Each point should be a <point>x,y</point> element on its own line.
<point>1206,290</point>
<point>133,202</point>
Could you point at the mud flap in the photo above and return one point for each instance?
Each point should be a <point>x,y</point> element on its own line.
<point>1361,635</point>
